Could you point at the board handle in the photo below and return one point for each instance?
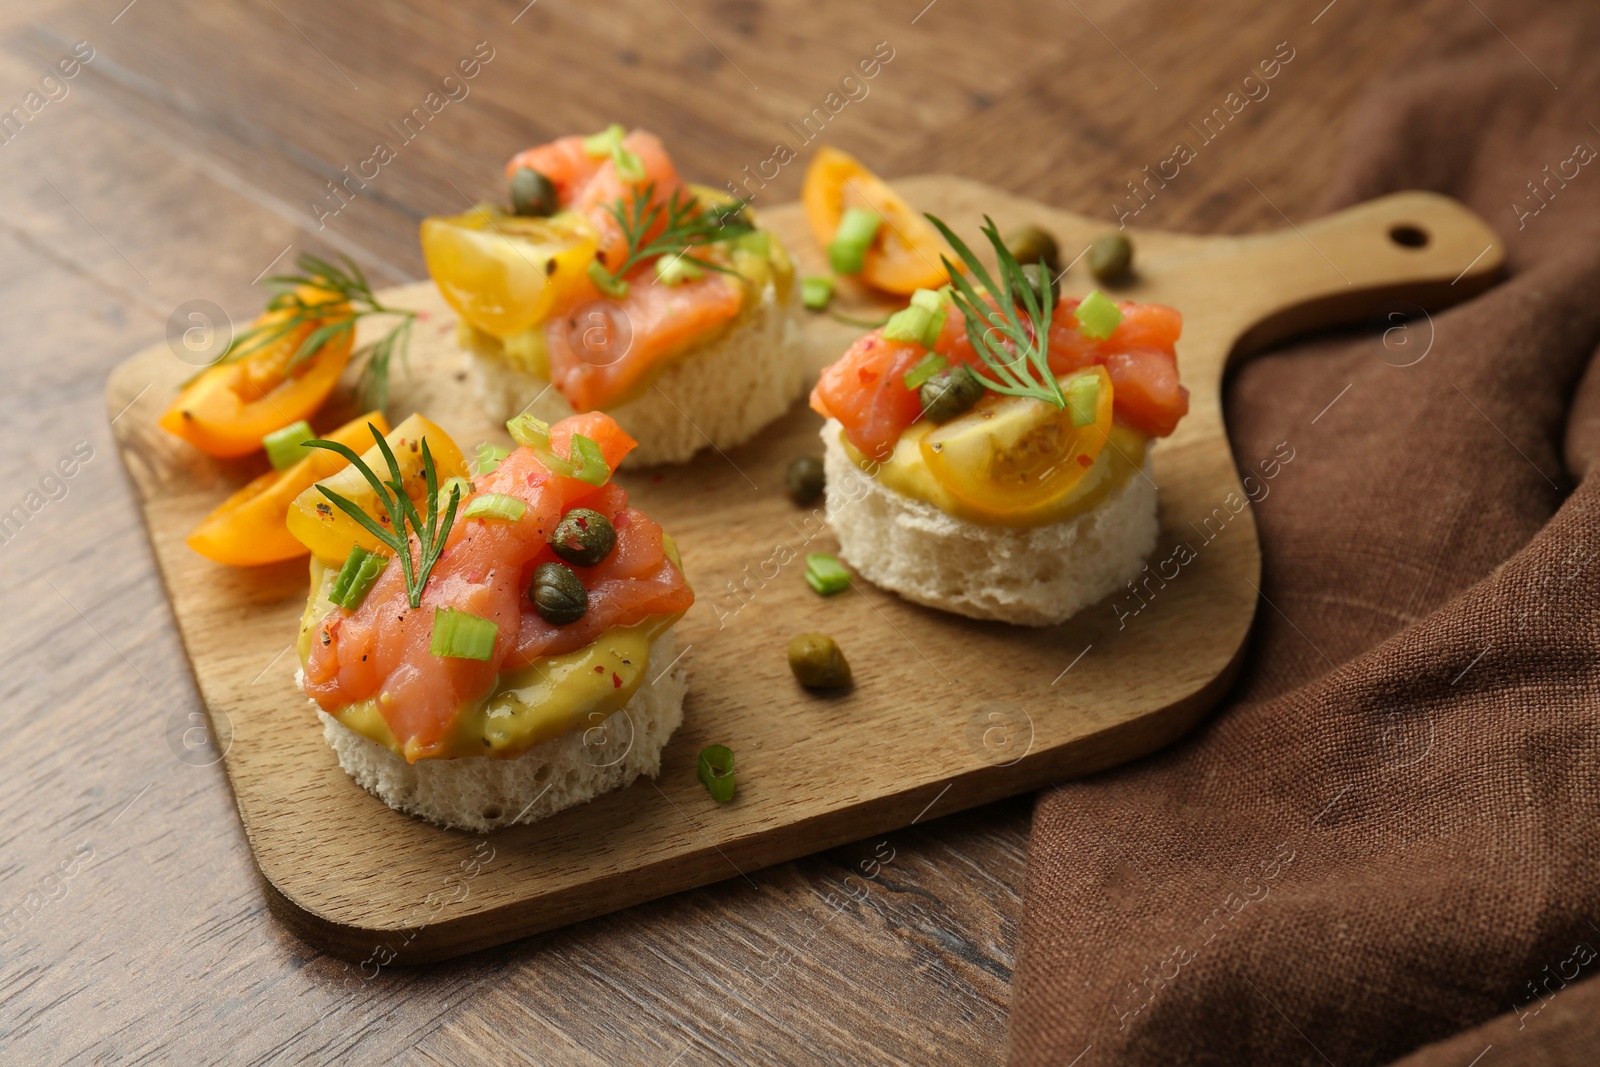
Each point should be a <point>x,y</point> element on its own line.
<point>1413,247</point>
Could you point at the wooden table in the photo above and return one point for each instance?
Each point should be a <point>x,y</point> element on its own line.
<point>194,150</point>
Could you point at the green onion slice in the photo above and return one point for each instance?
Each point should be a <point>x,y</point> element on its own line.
<point>714,768</point>
<point>1098,316</point>
<point>674,270</point>
<point>283,446</point>
<point>605,142</point>
<point>826,574</point>
<point>630,168</point>
<point>816,292</point>
<point>460,635</point>
<point>528,431</point>
<point>355,579</point>
<point>615,288</point>
<point>936,300</point>
<point>926,368</point>
<point>489,459</point>
<point>848,252</point>
<point>591,462</point>
<point>495,506</point>
<point>916,324</point>
<point>1083,397</point>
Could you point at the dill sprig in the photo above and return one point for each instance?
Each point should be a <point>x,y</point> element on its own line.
<point>348,285</point>
<point>687,227</point>
<point>431,532</point>
<point>1014,347</point>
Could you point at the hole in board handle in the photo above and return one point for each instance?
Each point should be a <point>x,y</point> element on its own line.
<point>1408,236</point>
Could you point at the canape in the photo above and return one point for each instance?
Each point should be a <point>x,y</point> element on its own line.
<point>490,651</point>
<point>986,450</point>
<point>612,285</point>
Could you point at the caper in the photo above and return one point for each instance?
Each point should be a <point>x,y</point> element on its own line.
<point>583,537</point>
<point>557,594</point>
<point>806,480</point>
<point>1030,244</point>
<point>949,393</point>
<point>532,193</point>
<point>817,662</point>
<point>1043,284</point>
<point>1110,257</point>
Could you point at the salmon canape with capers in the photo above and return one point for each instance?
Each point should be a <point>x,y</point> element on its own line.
<point>986,449</point>
<point>611,284</point>
<point>489,649</point>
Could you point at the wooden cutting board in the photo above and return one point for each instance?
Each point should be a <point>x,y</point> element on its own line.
<point>947,713</point>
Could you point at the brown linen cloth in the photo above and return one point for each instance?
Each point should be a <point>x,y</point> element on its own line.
<point>1389,833</point>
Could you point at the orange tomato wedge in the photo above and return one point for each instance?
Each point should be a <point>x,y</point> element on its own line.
<point>904,256</point>
<point>330,533</point>
<point>249,528</point>
<point>1012,456</point>
<point>228,409</point>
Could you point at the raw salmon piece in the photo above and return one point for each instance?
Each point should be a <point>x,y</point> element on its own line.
<point>663,320</point>
<point>1145,390</point>
<point>866,391</point>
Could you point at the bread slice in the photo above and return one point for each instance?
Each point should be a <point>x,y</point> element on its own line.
<point>1032,576</point>
<point>479,793</point>
<point>719,395</point>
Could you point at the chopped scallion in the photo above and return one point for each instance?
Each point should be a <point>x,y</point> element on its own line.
<point>590,462</point>
<point>916,324</point>
<point>361,569</point>
<point>494,506</point>
<point>847,254</point>
<point>615,288</point>
<point>674,270</point>
<point>489,459</point>
<point>1098,316</point>
<point>714,768</point>
<point>599,145</point>
<point>1083,398</point>
<point>459,484</point>
<point>460,635</point>
<point>926,368</point>
<point>283,446</point>
<point>826,574</point>
<point>630,168</point>
<point>816,292</point>
<point>529,432</point>
<point>931,299</point>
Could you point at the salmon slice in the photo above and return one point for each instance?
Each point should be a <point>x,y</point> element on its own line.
<point>653,323</point>
<point>381,650</point>
<point>865,389</point>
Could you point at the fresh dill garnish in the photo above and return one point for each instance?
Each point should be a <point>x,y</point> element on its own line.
<point>346,286</point>
<point>430,532</point>
<point>1014,347</point>
<point>686,226</point>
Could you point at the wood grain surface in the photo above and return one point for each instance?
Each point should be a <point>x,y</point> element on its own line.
<point>189,154</point>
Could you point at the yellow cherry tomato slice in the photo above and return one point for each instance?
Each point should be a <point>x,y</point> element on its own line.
<point>229,408</point>
<point>1013,455</point>
<point>330,533</point>
<point>506,273</point>
<point>904,256</point>
<point>250,527</point>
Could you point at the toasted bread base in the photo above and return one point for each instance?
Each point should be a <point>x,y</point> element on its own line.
<point>1030,576</point>
<point>480,793</point>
